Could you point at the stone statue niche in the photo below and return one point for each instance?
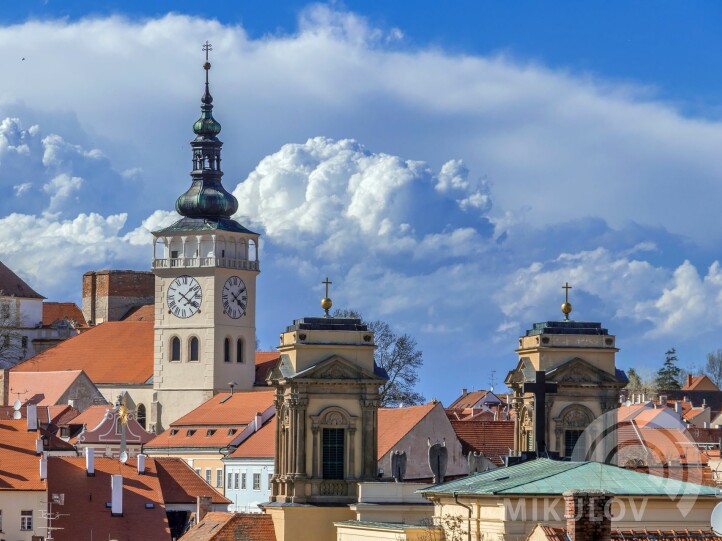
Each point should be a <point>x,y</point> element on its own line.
<point>398,465</point>
<point>438,459</point>
<point>478,463</point>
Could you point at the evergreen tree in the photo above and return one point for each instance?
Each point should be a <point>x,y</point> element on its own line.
<point>668,376</point>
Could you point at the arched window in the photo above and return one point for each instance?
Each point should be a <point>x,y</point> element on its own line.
<point>175,352</point>
<point>227,350</point>
<point>194,349</point>
<point>140,415</point>
<point>239,350</point>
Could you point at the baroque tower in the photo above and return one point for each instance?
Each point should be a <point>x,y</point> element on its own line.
<point>205,267</point>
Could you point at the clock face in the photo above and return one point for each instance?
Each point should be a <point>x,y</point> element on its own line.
<point>235,297</point>
<point>184,296</point>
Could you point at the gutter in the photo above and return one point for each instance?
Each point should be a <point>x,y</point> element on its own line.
<point>468,507</point>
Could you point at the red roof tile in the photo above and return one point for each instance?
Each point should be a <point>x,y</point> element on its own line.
<point>112,352</point>
<point>232,527</point>
<point>59,311</point>
<point>559,534</point>
<point>395,423</point>
<point>80,515</point>
<point>699,383</point>
<point>91,417</point>
<point>467,400</point>
<point>19,465</point>
<point>493,438</point>
<point>225,409</point>
<point>181,484</point>
<point>261,444</point>
<point>43,388</point>
<point>145,312</point>
<point>11,285</point>
<point>265,361</point>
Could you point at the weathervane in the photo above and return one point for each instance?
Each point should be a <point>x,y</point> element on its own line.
<point>326,301</point>
<point>566,307</point>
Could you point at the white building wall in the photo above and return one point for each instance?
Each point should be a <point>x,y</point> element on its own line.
<point>247,500</point>
<point>12,503</point>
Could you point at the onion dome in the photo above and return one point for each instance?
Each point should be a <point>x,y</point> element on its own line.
<point>206,198</point>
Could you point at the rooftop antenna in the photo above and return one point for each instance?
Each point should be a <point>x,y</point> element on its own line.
<point>49,515</point>
<point>492,380</point>
<point>16,406</point>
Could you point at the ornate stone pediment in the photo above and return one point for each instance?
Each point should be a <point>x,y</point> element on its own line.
<point>524,371</point>
<point>336,368</point>
<point>579,371</point>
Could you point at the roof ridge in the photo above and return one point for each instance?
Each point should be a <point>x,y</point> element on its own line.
<point>572,465</point>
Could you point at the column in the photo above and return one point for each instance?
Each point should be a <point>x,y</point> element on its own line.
<point>315,459</point>
<point>301,436</point>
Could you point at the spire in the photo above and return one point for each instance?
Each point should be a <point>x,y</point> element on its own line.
<point>206,198</point>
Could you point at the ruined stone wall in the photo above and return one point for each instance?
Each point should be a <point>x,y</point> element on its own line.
<point>109,294</point>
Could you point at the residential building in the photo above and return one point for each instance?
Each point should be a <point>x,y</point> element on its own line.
<point>231,527</point>
<point>64,387</point>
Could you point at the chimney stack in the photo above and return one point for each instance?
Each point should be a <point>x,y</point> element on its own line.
<point>32,415</point>
<point>463,391</point>
<point>39,446</point>
<point>141,463</point>
<point>689,380</point>
<point>5,387</point>
<point>202,507</point>
<point>259,422</point>
<point>678,407</point>
<point>90,461</point>
<point>116,503</point>
<point>586,514</point>
<point>43,468</point>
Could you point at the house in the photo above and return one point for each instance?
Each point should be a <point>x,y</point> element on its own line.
<point>220,424</point>
<point>699,383</point>
<point>493,439</point>
<point>482,404</point>
<point>231,527</point>
<point>56,388</point>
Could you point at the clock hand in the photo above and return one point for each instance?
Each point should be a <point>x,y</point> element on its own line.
<point>184,297</point>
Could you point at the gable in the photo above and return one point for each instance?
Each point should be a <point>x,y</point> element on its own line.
<point>335,368</point>
<point>578,371</point>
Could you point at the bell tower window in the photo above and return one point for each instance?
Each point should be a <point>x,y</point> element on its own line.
<point>193,349</point>
<point>239,350</point>
<point>175,349</point>
<point>227,350</point>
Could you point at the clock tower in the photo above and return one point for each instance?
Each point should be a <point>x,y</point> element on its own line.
<point>205,268</point>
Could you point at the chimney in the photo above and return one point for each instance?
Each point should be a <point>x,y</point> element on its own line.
<point>5,387</point>
<point>587,515</point>
<point>141,463</point>
<point>116,503</point>
<point>663,400</point>
<point>39,446</point>
<point>32,415</point>
<point>259,422</point>
<point>463,391</point>
<point>678,407</point>
<point>90,461</point>
<point>43,468</point>
<point>202,507</point>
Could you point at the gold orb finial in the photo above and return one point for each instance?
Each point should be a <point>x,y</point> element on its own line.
<point>326,302</point>
<point>566,305</point>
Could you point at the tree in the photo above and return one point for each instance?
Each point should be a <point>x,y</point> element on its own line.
<point>11,351</point>
<point>668,376</point>
<point>641,381</point>
<point>714,366</point>
<point>399,356</point>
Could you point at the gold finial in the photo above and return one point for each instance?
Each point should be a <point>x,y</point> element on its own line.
<point>566,307</point>
<point>326,303</point>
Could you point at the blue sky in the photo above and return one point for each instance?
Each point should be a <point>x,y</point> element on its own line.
<point>450,166</point>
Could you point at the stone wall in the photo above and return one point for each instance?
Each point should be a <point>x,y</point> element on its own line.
<point>108,295</point>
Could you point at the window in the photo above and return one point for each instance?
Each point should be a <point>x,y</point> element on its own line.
<point>219,478</point>
<point>174,254</point>
<point>210,432</point>
<point>1,521</point>
<point>239,350</point>
<point>270,478</point>
<point>198,471</point>
<point>333,448</point>
<point>140,415</point>
<point>243,481</point>
<point>256,481</point>
<point>24,342</point>
<point>229,481</point>
<point>26,520</point>
<point>227,350</point>
<point>571,438</point>
<point>5,310</point>
<point>208,476</point>
<point>194,349</point>
<point>175,353</point>
<point>237,484</point>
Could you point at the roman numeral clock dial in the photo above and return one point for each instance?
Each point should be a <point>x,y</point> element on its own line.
<point>184,296</point>
<point>234,297</point>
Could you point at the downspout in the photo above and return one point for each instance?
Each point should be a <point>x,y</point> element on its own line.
<point>468,508</point>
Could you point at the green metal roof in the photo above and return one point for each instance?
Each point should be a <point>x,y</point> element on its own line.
<point>204,224</point>
<point>552,477</point>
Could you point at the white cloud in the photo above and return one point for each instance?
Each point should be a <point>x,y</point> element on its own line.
<point>61,188</point>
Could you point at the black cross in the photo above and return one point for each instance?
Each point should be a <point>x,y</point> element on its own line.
<point>539,388</point>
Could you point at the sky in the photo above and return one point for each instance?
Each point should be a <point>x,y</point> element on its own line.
<point>448,165</point>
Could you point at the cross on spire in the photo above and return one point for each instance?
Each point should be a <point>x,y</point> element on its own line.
<point>327,283</point>
<point>566,307</point>
<point>566,287</point>
<point>326,303</point>
<point>207,47</point>
<point>539,388</point>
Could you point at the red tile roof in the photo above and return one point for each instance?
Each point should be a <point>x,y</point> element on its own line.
<point>11,285</point>
<point>265,361</point>
<point>145,312</point>
<point>467,400</point>
<point>261,444</point>
<point>560,534</point>
<point>181,484</point>
<point>232,527</point>
<point>395,423</point>
<point>91,417</point>
<point>699,383</point>
<point>59,311</point>
<point>493,438</point>
<point>112,352</point>
<point>19,465</point>
<point>80,515</point>
<point>42,388</point>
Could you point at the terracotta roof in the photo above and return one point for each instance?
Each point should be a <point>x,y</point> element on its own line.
<point>261,444</point>
<point>703,383</point>
<point>467,400</point>
<point>560,534</point>
<point>493,438</point>
<point>42,388</point>
<point>62,415</point>
<point>19,465</point>
<point>59,311</point>
<point>226,409</point>
<point>265,361</point>
<point>91,417</point>
<point>145,312</point>
<point>233,526</point>
<point>67,475</point>
<point>46,414</point>
<point>181,484</point>
<point>112,352</point>
<point>11,285</point>
<point>395,423</point>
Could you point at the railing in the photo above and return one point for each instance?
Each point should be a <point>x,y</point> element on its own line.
<point>191,262</point>
<point>334,488</point>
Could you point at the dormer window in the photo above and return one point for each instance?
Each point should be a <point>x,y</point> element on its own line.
<point>232,431</point>
<point>210,432</point>
<point>190,432</point>
<point>173,431</point>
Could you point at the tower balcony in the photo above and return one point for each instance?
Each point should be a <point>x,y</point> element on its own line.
<point>200,262</point>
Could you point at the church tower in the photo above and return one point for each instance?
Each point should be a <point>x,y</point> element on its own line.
<point>578,358</point>
<point>205,268</point>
